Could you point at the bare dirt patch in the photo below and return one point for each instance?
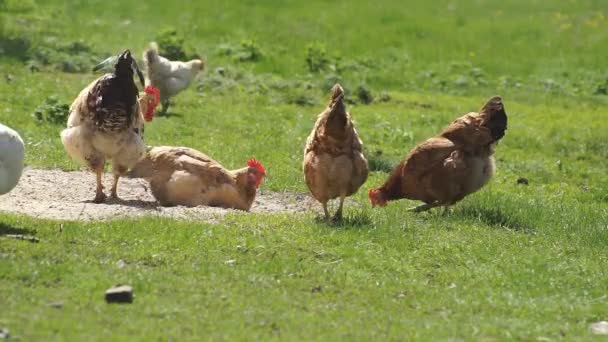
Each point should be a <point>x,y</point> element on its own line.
<point>56,194</point>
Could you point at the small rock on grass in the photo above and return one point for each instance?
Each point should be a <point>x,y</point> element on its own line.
<point>522,181</point>
<point>599,328</point>
<point>119,294</point>
<point>56,305</point>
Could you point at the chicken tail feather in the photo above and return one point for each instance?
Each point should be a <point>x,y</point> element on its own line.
<point>493,105</point>
<point>151,54</point>
<point>337,96</point>
<point>496,117</point>
<point>337,120</point>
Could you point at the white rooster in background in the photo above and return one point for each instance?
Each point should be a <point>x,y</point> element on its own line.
<point>12,152</point>
<point>170,77</point>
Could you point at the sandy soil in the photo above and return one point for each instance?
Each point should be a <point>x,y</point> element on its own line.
<point>56,194</point>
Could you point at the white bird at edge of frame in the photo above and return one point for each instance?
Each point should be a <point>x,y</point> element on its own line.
<point>12,152</point>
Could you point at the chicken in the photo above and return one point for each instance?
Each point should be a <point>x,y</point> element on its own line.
<point>170,77</point>
<point>444,169</point>
<point>12,152</point>
<point>334,165</point>
<point>105,122</point>
<point>184,176</point>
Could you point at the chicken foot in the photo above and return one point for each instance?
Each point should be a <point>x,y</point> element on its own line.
<point>425,207</point>
<point>100,197</point>
<point>447,211</point>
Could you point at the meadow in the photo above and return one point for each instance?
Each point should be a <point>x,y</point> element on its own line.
<point>526,262</point>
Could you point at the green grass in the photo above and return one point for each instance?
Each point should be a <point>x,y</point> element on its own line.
<point>511,261</point>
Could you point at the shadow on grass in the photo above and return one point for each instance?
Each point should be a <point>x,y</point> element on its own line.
<point>494,217</point>
<point>356,220</point>
<point>6,229</point>
<point>15,47</point>
<point>168,115</point>
<point>141,204</point>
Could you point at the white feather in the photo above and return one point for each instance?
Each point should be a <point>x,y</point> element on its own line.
<point>170,77</point>
<point>12,152</point>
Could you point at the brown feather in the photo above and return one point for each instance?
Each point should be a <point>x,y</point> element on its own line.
<point>495,117</point>
<point>444,169</point>
<point>334,164</point>
<point>184,176</point>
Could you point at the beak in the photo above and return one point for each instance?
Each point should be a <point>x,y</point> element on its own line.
<point>140,74</point>
<point>110,60</point>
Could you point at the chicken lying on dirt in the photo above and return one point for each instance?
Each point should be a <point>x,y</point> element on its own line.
<point>106,123</point>
<point>334,165</point>
<point>170,77</point>
<point>444,169</point>
<point>184,176</point>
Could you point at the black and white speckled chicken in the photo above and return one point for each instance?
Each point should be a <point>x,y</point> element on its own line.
<point>106,122</point>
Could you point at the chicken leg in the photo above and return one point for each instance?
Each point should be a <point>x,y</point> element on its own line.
<point>338,216</point>
<point>165,107</point>
<point>325,210</point>
<point>100,197</point>
<point>114,193</point>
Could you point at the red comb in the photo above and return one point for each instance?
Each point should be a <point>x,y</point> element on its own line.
<point>153,90</point>
<point>256,164</point>
<point>149,114</point>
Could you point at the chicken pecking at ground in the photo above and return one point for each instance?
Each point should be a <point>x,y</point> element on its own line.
<point>184,176</point>
<point>12,152</point>
<point>170,77</point>
<point>334,164</point>
<point>444,169</point>
<point>106,121</point>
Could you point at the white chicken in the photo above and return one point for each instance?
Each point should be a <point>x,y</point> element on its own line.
<point>170,77</point>
<point>12,152</point>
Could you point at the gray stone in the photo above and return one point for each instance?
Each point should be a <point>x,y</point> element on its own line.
<point>56,305</point>
<point>599,328</point>
<point>120,294</point>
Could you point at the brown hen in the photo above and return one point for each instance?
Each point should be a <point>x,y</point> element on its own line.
<point>444,169</point>
<point>334,164</point>
<point>184,176</point>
